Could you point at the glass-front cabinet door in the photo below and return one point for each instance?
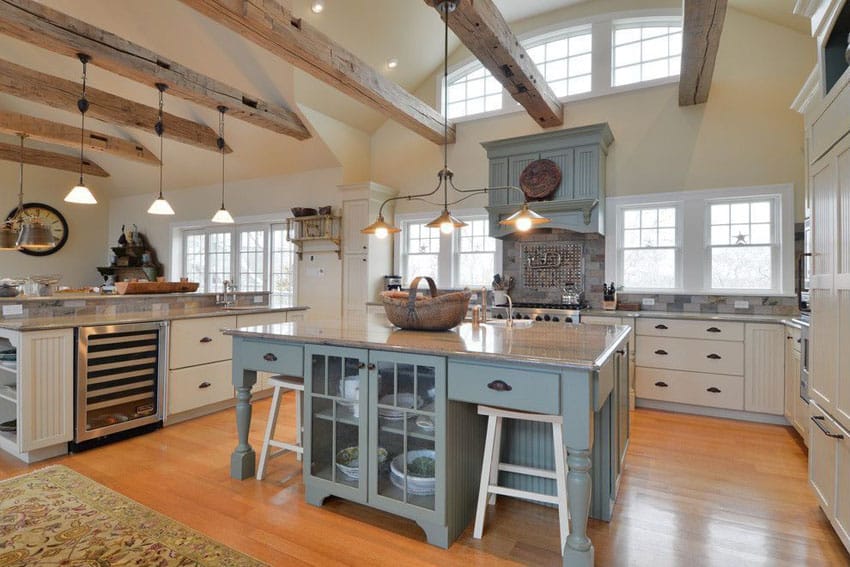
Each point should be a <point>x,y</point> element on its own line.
<point>407,410</point>
<point>335,412</point>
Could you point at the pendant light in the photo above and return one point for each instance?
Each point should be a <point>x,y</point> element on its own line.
<point>160,206</point>
<point>222,215</point>
<point>522,220</point>
<point>81,194</point>
<point>34,233</point>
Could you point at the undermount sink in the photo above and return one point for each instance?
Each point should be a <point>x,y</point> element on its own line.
<point>504,323</point>
<point>243,307</point>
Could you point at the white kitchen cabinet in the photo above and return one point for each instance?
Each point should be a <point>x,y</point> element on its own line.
<point>197,386</point>
<point>842,496</point>
<point>37,390</point>
<point>355,212</point>
<point>764,377</point>
<point>822,458</point>
<point>796,410</point>
<point>200,341</point>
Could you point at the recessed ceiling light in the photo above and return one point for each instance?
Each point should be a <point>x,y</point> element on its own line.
<point>392,63</point>
<point>317,6</point>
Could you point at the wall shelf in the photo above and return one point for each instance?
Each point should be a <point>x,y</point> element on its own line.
<point>315,228</point>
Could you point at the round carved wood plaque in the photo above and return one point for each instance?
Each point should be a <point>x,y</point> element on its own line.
<point>539,179</point>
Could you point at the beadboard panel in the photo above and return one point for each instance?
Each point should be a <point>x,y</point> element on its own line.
<point>765,370</point>
<point>46,389</point>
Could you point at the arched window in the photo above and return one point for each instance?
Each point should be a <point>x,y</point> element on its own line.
<point>565,60</point>
<point>645,50</point>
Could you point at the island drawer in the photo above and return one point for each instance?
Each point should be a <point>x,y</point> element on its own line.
<point>696,388</point>
<point>506,387</point>
<point>715,357</point>
<point>280,358</point>
<point>691,329</point>
<point>198,386</point>
<point>200,341</point>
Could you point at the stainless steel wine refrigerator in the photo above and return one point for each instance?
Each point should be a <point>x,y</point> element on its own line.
<point>120,375</point>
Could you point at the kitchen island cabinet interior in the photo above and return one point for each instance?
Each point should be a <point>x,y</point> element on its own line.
<point>406,401</point>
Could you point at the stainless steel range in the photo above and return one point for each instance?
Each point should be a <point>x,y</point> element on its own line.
<point>554,312</point>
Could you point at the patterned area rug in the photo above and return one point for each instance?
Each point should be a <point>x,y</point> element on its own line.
<point>55,516</point>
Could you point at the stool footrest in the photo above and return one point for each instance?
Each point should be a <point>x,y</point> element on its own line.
<point>530,471</point>
<point>285,446</point>
<point>515,493</point>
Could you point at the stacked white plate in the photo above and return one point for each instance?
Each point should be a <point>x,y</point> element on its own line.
<point>399,402</point>
<point>416,484</point>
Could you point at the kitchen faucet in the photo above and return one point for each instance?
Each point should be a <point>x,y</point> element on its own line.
<point>510,321</point>
<point>228,298</point>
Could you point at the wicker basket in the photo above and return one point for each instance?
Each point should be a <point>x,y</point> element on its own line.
<point>440,312</point>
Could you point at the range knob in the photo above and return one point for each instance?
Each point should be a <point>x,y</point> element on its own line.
<point>546,318</point>
<point>556,318</point>
<point>538,318</point>
<point>526,317</point>
<point>500,316</point>
<point>517,316</point>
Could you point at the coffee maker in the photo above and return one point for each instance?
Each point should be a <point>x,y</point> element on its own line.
<point>392,282</point>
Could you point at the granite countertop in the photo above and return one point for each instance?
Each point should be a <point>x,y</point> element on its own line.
<point>743,317</point>
<point>117,318</point>
<point>585,347</point>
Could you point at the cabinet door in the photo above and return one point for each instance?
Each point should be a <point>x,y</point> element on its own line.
<point>764,376</point>
<point>842,496</point>
<point>335,405</point>
<point>622,397</point>
<point>199,341</point>
<point>822,459</point>
<point>842,288</point>
<point>515,166</point>
<point>354,294</point>
<point>407,440</point>
<point>355,215</point>
<point>790,379</point>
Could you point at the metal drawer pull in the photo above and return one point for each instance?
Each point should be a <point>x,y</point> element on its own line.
<point>203,385</point>
<point>361,366</point>
<point>713,356</point>
<point>713,390</point>
<point>819,419</point>
<point>661,351</point>
<point>661,384</point>
<point>621,351</point>
<point>206,340</point>
<point>371,366</point>
<point>269,357</point>
<point>661,326</point>
<point>713,330</point>
<point>500,386</point>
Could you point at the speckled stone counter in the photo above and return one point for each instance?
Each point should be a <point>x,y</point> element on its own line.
<point>743,317</point>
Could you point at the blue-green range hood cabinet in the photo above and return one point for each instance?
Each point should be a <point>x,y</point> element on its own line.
<point>578,203</point>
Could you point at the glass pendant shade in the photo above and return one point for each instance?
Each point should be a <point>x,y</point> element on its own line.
<point>222,216</point>
<point>524,219</point>
<point>80,195</point>
<point>8,237</point>
<point>446,222</point>
<point>160,207</point>
<point>35,235</point>
<point>380,228</point>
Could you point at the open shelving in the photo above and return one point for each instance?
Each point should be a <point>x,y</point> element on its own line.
<point>314,228</point>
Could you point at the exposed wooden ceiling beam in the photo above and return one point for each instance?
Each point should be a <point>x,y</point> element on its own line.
<point>701,28</point>
<point>63,94</point>
<point>273,27</point>
<point>484,31</point>
<point>42,26</point>
<point>64,135</point>
<point>32,156</point>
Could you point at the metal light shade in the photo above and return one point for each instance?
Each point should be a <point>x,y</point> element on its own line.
<point>524,219</point>
<point>222,216</point>
<point>8,237</point>
<point>380,228</point>
<point>35,235</point>
<point>446,222</point>
<point>80,195</point>
<point>160,207</point>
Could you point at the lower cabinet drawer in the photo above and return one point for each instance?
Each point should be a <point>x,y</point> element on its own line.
<point>714,357</point>
<point>277,358</point>
<point>696,388</point>
<point>197,386</point>
<point>511,388</point>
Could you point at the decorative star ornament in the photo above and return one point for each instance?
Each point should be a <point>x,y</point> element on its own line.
<point>741,238</point>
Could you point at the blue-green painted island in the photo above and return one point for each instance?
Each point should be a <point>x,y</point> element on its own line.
<point>396,396</point>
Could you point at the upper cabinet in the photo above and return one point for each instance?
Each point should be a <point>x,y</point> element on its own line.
<point>574,187</point>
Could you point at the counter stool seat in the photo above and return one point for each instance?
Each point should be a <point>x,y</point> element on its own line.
<point>281,383</point>
<point>492,465</point>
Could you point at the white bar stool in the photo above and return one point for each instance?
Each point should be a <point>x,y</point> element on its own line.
<point>280,383</point>
<point>491,466</point>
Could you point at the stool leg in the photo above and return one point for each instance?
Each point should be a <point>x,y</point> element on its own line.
<point>561,473</point>
<point>486,465</point>
<point>270,427</point>
<point>298,395</point>
<point>497,452</point>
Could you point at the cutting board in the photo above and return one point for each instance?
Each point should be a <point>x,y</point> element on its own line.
<point>128,288</point>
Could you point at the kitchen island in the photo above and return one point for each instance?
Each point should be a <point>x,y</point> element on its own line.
<point>399,397</point>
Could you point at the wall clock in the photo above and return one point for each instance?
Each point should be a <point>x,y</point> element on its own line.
<point>50,216</point>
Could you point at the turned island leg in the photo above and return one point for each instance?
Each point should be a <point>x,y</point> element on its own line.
<point>243,458</point>
<point>579,549</point>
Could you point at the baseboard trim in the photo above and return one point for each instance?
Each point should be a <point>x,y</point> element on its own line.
<point>712,412</point>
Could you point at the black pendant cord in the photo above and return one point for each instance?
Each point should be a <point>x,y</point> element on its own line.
<point>159,128</point>
<point>220,143</point>
<point>83,106</point>
<point>445,173</point>
<point>20,209</point>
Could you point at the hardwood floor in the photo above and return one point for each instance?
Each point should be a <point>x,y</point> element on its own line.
<point>696,491</point>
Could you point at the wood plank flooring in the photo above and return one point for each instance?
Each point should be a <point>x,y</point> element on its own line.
<point>697,491</point>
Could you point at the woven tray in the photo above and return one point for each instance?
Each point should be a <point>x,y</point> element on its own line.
<point>439,312</point>
<point>128,288</point>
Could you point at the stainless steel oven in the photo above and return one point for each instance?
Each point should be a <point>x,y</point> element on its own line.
<point>804,322</point>
<point>120,376</point>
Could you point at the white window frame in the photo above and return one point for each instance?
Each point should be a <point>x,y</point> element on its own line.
<point>268,223</point>
<point>564,33</point>
<point>601,54</point>
<point>447,267</point>
<point>695,265</point>
<point>677,247</point>
<point>640,23</point>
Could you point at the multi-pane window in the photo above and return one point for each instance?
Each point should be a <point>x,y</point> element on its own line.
<point>645,51</point>
<point>565,63</point>
<point>649,247</point>
<point>283,262</point>
<point>219,256</point>
<point>195,258</point>
<point>742,248</point>
<point>473,93</point>
<point>422,251</point>
<point>252,265</point>
<point>475,253</point>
